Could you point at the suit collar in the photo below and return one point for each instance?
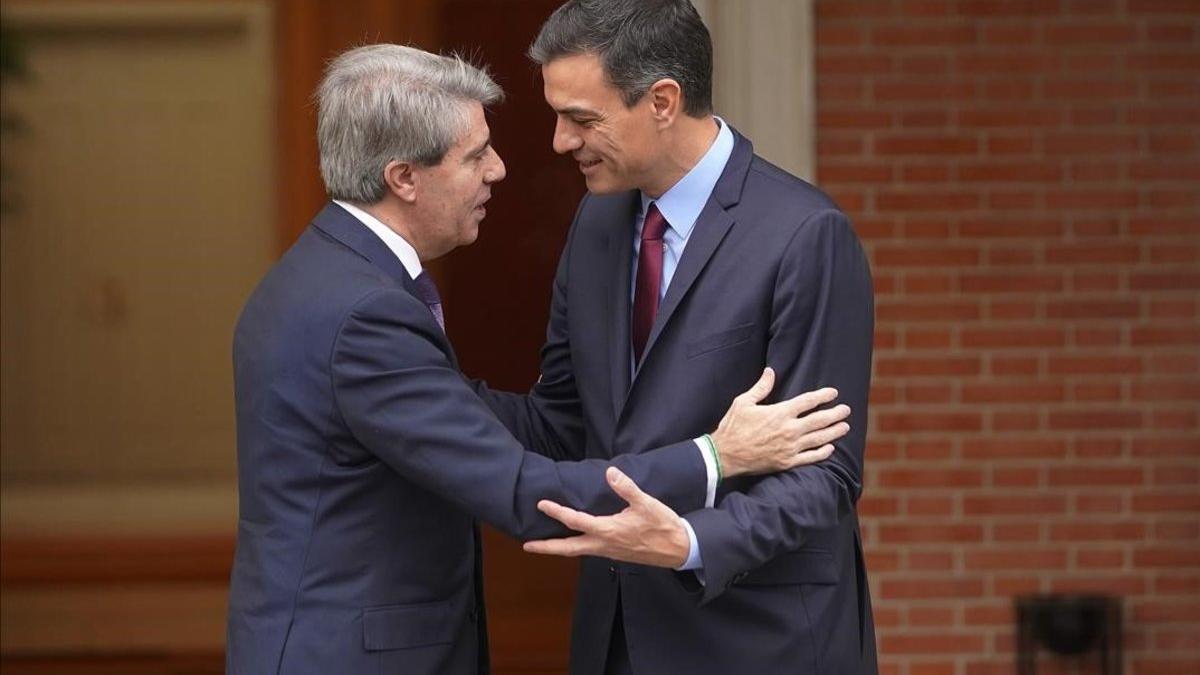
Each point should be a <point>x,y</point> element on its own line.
<point>338,223</point>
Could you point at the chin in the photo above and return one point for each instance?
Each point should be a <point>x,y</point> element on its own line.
<point>598,185</point>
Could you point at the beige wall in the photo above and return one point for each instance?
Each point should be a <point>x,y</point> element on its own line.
<point>145,217</point>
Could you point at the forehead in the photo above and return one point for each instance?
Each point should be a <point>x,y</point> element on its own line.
<point>477,127</point>
<point>577,80</point>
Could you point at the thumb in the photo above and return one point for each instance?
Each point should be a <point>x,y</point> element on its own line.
<point>624,486</point>
<point>761,389</point>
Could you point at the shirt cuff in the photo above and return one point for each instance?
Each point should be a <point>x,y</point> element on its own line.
<point>710,468</point>
<point>694,561</point>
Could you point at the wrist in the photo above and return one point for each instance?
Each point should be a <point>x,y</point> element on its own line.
<point>716,456</point>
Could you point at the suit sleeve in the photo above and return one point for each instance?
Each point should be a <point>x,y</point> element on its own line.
<point>405,402</point>
<point>549,419</point>
<point>820,335</point>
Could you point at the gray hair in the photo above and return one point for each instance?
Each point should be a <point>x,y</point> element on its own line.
<point>387,102</point>
<point>639,42</point>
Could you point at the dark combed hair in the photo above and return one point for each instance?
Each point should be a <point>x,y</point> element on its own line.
<point>639,42</point>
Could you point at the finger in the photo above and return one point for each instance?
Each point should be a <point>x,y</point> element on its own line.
<point>575,520</point>
<point>821,437</point>
<point>568,546</point>
<point>759,390</point>
<point>809,400</point>
<point>824,418</point>
<point>625,487</point>
<point>811,456</point>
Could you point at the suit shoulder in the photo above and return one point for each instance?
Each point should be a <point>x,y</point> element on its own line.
<point>771,182</point>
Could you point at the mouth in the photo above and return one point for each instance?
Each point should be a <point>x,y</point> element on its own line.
<point>587,165</point>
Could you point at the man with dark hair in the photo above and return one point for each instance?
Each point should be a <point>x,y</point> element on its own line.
<point>691,264</point>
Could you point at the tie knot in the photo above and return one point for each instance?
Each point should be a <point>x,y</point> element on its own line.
<point>427,289</point>
<point>655,225</point>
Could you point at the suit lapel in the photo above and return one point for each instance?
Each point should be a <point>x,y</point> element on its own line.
<point>713,223</point>
<point>711,227</point>
<point>336,222</point>
<point>620,258</point>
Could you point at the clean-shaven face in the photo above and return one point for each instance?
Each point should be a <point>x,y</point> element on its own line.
<point>452,194</point>
<point>615,145</point>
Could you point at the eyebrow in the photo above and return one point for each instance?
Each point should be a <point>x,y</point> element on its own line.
<point>576,110</point>
<point>478,150</point>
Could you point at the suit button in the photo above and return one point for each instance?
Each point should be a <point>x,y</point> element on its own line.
<point>612,571</point>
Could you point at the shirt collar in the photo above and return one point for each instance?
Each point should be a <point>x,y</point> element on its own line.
<point>682,203</point>
<point>403,250</point>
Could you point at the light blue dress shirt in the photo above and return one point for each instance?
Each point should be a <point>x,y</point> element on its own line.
<point>681,206</point>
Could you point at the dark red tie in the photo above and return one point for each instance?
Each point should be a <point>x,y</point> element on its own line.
<point>648,281</point>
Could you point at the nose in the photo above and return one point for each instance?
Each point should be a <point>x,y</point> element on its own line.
<point>497,172</point>
<point>565,140</point>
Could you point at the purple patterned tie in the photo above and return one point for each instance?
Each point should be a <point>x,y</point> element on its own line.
<point>428,292</point>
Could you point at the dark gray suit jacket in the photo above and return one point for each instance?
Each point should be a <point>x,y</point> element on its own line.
<point>772,275</point>
<point>364,458</point>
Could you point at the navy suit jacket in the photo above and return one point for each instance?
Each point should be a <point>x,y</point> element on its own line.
<point>364,458</point>
<point>773,275</point>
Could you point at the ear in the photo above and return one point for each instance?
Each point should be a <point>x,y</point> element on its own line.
<point>666,101</point>
<point>401,180</point>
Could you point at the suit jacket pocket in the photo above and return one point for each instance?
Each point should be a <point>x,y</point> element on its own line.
<point>720,340</point>
<point>806,566</point>
<point>408,626</point>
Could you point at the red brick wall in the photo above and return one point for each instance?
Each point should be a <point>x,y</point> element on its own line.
<point>1026,177</point>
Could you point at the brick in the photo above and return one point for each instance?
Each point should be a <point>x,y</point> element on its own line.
<point>921,366</point>
<point>917,422</point>
<point>841,91</point>
<point>1020,559</point>
<point>1013,393</point>
<point>1013,338</point>
<point>1097,337</point>
<point>1093,309</point>
<point>929,200</point>
<point>1023,172</point>
<point>1166,390</point>
<point>1175,475</point>
<point>1016,532</point>
<point>924,64</point>
<point>1164,281</point>
<point>1101,504</point>
<point>1014,366</point>
<point>927,338</point>
<point>1166,447</point>
<point>930,478</point>
<point>1176,532</point>
<point>926,228</point>
<point>1091,199</point>
<point>853,118</point>
<point>1100,559</point>
<point>1112,531</point>
<point>929,506</point>
<point>1168,556</point>
<point>928,284</point>
<point>856,173</point>
<point>926,561</point>
<point>920,449</point>
<point>923,35</point>
<point>1109,584</point>
<point>900,145</point>
<point>924,173</point>
<point>1009,90</point>
<point>832,145</point>
<point>1166,502</point>
<point>908,90</point>
<point>949,310</point>
<point>1093,254</point>
<point>1109,35</point>
<point>919,588</point>
<point>927,394</point>
<point>996,117</point>
<point>1007,228</point>
<point>853,63</point>
<point>1088,420</point>
<point>1181,335</point>
<point>930,533</point>
<point>1010,145</point>
<point>1014,447</point>
<point>1091,144</point>
<point>1041,505</point>
<point>1095,365</point>
<point>1022,478</point>
<point>1012,201</point>
<point>1091,392</point>
<point>1080,476</point>
<point>939,643</point>
<point>1006,62</point>
<point>1090,281</point>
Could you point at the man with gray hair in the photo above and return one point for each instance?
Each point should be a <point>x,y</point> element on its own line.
<point>364,457</point>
